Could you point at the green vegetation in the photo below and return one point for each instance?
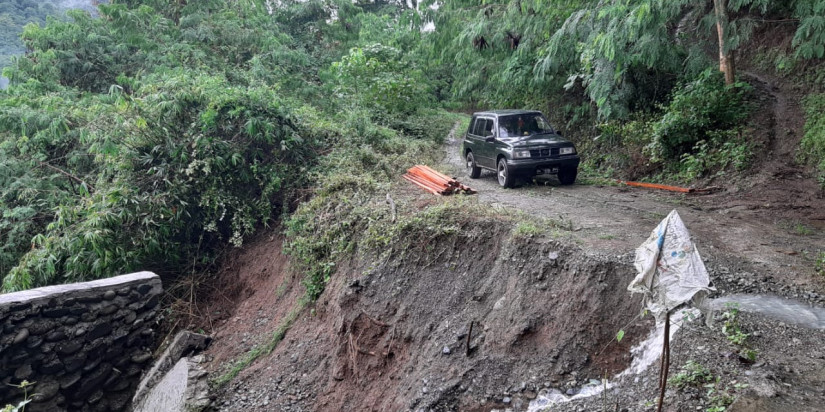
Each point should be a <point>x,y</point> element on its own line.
<point>27,398</point>
<point>730,326</point>
<point>349,205</point>
<point>812,147</point>
<point>719,396</point>
<point>692,373</point>
<point>154,134</point>
<point>734,334</point>
<point>819,263</point>
<point>159,133</point>
<point>526,229</point>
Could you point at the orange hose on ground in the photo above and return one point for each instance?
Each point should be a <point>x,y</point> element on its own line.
<point>658,186</point>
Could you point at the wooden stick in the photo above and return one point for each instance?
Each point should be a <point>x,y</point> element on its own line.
<point>469,335</point>
<point>392,206</point>
<point>665,362</point>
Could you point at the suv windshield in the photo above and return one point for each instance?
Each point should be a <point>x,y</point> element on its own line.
<point>523,125</point>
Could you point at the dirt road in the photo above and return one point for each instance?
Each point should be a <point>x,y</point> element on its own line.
<point>780,240</point>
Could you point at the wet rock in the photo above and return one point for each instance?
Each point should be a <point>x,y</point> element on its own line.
<point>109,309</point>
<point>55,312</point>
<point>43,391</point>
<point>21,336</point>
<point>56,336</point>
<point>68,381</point>
<point>69,348</point>
<point>33,342</point>
<point>23,372</point>
<point>98,331</point>
<point>141,357</point>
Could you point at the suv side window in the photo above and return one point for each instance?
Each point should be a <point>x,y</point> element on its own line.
<point>488,128</point>
<point>471,127</point>
<point>478,129</point>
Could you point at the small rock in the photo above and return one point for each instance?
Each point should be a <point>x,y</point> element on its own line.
<point>506,399</point>
<point>21,336</point>
<point>445,350</point>
<point>23,372</point>
<point>141,357</point>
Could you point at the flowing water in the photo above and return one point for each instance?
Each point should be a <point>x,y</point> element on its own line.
<point>644,354</point>
<point>785,310</point>
<point>649,351</point>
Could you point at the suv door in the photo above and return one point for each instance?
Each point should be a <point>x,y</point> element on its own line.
<point>474,140</point>
<point>487,150</point>
<point>471,141</point>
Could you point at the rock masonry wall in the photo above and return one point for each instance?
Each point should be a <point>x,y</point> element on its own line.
<point>84,345</point>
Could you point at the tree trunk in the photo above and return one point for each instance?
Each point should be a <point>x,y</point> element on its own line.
<point>726,63</point>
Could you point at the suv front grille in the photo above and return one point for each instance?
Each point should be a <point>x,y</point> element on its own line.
<point>554,151</point>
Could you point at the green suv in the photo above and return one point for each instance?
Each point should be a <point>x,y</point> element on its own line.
<point>517,143</point>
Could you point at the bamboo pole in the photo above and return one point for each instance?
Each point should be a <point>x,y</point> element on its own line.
<point>665,365</point>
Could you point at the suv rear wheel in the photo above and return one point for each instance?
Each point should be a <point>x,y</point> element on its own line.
<point>567,176</point>
<point>472,169</point>
<point>505,178</point>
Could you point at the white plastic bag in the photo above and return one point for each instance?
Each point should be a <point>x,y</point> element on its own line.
<point>670,270</point>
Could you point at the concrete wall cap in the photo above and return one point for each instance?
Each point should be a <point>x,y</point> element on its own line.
<point>48,292</point>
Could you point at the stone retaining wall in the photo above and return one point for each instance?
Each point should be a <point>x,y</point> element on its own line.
<point>85,344</point>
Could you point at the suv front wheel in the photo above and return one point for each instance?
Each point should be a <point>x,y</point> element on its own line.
<point>472,169</point>
<point>567,176</point>
<point>505,178</point>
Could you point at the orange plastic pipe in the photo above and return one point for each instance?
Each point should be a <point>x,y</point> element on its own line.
<point>658,186</point>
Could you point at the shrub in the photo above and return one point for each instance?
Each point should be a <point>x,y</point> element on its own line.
<point>812,146</point>
<point>692,374</point>
<point>697,109</point>
<point>348,208</point>
<point>169,174</point>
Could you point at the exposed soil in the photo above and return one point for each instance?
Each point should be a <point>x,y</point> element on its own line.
<point>390,332</point>
<point>394,337</point>
<point>253,292</point>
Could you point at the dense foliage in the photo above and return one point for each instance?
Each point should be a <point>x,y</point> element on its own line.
<point>812,148</point>
<point>155,133</point>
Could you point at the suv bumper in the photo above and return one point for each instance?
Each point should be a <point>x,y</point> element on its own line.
<point>531,165</point>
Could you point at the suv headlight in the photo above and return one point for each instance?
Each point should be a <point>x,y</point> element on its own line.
<point>567,150</point>
<point>521,154</point>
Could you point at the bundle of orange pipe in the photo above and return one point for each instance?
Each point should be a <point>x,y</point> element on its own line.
<point>435,182</point>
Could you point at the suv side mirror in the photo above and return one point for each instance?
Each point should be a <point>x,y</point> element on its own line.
<point>558,132</point>
<point>490,139</point>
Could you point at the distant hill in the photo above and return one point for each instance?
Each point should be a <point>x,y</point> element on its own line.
<point>14,14</point>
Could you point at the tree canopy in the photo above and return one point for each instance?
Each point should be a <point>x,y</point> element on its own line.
<point>154,133</point>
